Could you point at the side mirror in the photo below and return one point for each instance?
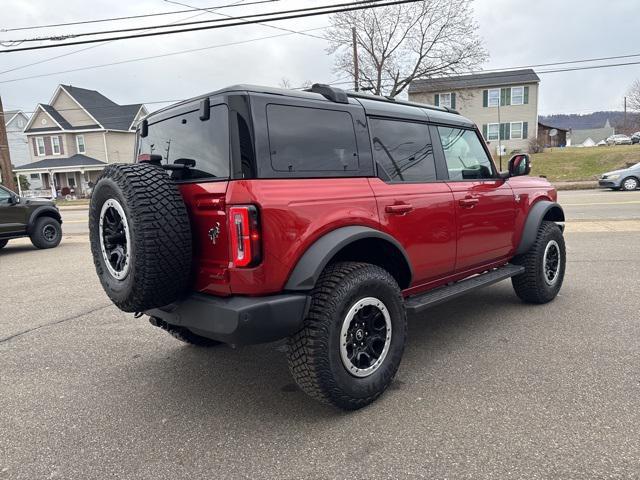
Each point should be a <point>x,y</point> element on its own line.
<point>14,200</point>
<point>519,165</point>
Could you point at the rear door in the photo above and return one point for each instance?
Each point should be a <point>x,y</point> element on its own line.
<point>414,207</point>
<point>485,204</point>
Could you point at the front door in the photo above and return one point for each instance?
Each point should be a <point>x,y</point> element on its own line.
<point>485,204</point>
<point>413,207</point>
<point>12,216</point>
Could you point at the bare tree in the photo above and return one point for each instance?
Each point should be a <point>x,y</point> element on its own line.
<point>401,43</point>
<point>633,96</point>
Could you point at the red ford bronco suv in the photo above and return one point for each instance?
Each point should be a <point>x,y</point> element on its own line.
<point>256,214</point>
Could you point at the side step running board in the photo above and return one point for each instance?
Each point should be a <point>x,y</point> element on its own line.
<point>420,302</point>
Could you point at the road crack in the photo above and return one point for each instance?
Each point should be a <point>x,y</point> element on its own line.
<point>57,322</point>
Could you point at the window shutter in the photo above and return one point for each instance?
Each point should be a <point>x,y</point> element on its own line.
<point>484,131</point>
<point>508,96</point>
<point>503,97</point>
<point>502,131</point>
<point>436,100</point>
<point>526,95</point>
<point>507,131</point>
<point>485,98</point>
<point>453,100</point>
<point>47,146</point>
<point>525,130</point>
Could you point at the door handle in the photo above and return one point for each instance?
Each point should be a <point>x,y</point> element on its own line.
<point>468,202</point>
<point>398,209</point>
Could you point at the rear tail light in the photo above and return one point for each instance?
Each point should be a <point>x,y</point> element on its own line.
<point>244,229</point>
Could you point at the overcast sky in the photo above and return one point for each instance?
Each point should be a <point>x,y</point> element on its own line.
<point>515,34</point>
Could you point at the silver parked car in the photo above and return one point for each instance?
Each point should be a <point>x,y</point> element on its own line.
<point>626,179</point>
<point>619,139</point>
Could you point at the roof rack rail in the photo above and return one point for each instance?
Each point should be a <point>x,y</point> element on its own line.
<point>389,99</point>
<point>333,94</point>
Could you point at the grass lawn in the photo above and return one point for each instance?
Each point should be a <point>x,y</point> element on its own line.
<point>68,203</point>
<point>575,164</point>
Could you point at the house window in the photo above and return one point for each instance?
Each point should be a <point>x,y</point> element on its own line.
<point>40,145</point>
<point>494,97</point>
<point>55,142</point>
<point>34,176</point>
<point>517,95</point>
<point>493,132</point>
<point>516,130</point>
<point>445,100</point>
<point>71,180</point>
<point>80,143</point>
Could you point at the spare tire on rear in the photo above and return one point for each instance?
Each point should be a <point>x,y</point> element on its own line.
<point>140,236</point>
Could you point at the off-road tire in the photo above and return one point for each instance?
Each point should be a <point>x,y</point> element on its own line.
<point>531,286</point>
<point>3,243</point>
<point>184,335</point>
<point>314,351</point>
<point>628,189</point>
<point>38,237</point>
<point>160,236</point>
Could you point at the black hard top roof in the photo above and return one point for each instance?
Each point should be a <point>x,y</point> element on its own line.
<point>373,104</point>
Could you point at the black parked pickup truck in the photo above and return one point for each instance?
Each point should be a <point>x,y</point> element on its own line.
<point>23,217</point>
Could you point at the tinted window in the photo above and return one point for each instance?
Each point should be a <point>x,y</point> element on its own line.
<point>402,150</point>
<point>185,136</point>
<point>4,195</point>
<point>466,159</point>
<point>311,139</point>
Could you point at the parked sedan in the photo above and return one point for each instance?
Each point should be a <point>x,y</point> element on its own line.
<point>619,140</point>
<point>626,179</point>
<point>635,138</point>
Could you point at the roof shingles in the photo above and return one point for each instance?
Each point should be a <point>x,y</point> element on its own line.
<point>77,160</point>
<point>477,80</point>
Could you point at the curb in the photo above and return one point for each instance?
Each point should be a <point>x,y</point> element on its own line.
<point>74,207</point>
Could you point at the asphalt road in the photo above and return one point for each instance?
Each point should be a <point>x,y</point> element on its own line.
<point>488,388</point>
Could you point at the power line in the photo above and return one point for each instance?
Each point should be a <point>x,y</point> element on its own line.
<point>130,17</point>
<point>354,6</point>
<point>199,22</point>
<point>151,57</point>
<point>243,18</point>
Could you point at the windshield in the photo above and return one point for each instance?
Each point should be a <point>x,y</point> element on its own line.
<point>186,137</point>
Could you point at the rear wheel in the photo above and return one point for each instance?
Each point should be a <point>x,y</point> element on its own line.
<point>46,233</point>
<point>352,341</point>
<point>544,266</point>
<point>629,183</point>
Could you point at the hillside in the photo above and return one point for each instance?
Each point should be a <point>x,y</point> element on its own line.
<point>590,120</point>
<point>574,164</point>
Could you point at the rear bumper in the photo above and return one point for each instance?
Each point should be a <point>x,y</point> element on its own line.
<point>237,320</point>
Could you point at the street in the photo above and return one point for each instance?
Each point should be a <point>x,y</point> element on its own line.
<point>488,388</point>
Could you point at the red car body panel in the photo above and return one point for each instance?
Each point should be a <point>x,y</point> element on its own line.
<point>444,239</point>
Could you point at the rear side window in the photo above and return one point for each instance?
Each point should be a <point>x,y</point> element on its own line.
<point>466,159</point>
<point>186,137</point>
<point>402,150</point>
<point>303,139</point>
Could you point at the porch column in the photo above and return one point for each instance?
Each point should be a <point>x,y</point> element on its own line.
<point>52,181</point>
<point>19,186</point>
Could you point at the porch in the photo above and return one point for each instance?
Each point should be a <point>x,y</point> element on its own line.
<point>60,177</point>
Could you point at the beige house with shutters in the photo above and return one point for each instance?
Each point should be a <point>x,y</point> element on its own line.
<point>73,138</point>
<point>503,104</point>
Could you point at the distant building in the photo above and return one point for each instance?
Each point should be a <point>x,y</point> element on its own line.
<point>590,137</point>
<point>73,137</point>
<point>15,121</point>
<point>503,104</point>
<point>549,136</point>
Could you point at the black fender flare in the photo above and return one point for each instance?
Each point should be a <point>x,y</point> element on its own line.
<point>308,269</point>
<point>538,212</point>
<point>44,210</point>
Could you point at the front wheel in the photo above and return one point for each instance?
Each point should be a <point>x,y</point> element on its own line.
<point>47,233</point>
<point>351,343</point>
<point>544,265</point>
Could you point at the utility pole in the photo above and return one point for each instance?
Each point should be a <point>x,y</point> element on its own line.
<point>5,159</point>
<point>625,115</point>
<point>356,69</point>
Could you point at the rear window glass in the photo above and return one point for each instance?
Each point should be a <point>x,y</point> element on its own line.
<point>403,151</point>
<point>305,139</point>
<point>186,137</point>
